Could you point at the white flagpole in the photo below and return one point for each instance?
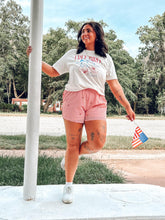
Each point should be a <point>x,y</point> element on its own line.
<point>34,94</point>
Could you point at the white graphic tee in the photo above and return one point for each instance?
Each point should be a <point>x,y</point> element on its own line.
<point>86,70</point>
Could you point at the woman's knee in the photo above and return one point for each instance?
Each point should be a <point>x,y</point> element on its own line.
<point>97,141</point>
<point>72,146</point>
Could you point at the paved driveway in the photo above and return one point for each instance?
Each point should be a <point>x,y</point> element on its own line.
<point>49,125</point>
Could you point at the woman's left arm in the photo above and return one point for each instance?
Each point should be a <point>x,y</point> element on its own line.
<point>117,91</point>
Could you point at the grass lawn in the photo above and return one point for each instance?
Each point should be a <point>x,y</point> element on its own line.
<point>59,142</point>
<point>50,172</point>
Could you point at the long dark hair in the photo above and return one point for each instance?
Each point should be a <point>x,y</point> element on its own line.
<point>100,46</point>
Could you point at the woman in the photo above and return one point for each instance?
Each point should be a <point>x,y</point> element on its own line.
<point>89,67</point>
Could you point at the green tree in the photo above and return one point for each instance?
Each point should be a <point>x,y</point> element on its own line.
<point>55,44</point>
<point>14,28</point>
<point>161,102</point>
<point>126,72</point>
<point>152,59</point>
<point>145,94</point>
<point>73,27</point>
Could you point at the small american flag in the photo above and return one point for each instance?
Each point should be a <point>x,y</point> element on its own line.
<point>139,137</point>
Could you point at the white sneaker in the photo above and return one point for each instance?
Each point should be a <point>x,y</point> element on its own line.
<point>63,163</point>
<point>67,194</point>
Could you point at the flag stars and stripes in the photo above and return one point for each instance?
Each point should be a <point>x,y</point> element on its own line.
<point>139,137</point>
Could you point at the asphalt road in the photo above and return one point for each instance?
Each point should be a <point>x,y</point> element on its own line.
<point>49,125</point>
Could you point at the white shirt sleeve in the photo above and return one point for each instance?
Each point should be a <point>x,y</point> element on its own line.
<point>62,64</point>
<point>111,72</point>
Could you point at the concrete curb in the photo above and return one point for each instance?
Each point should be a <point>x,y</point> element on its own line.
<point>100,201</point>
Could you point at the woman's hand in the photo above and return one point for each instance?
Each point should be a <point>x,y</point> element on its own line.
<point>46,68</point>
<point>130,113</point>
<point>28,50</point>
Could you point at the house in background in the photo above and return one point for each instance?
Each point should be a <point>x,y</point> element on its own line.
<point>57,107</point>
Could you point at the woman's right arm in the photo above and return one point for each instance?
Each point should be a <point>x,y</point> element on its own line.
<point>46,68</point>
<point>49,70</point>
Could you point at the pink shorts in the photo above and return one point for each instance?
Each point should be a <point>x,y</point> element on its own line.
<point>84,105</point>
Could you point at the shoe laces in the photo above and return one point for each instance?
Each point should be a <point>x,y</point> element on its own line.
<point>68,189</point>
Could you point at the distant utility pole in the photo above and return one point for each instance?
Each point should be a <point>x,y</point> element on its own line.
<point>34,94</point>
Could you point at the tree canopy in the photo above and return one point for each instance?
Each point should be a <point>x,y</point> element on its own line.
<point>143,78</point>
<point>152,63</point>
<point>14,28</point>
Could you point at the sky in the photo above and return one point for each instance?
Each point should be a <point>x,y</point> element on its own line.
<point>122,16</point>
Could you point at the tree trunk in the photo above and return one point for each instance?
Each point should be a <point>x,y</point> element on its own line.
<point>47,104</point>
<point>49,101</point>
<point>134,106</point>
<point>15,90</point>
<point>8,89</point>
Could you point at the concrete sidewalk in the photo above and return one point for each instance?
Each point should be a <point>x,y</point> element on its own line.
<point>111,201</point>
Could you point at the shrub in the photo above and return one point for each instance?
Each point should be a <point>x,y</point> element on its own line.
<point>7,107</point>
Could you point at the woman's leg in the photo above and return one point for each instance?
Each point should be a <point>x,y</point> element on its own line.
<point>73,136</point>
<point>96,136</point>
